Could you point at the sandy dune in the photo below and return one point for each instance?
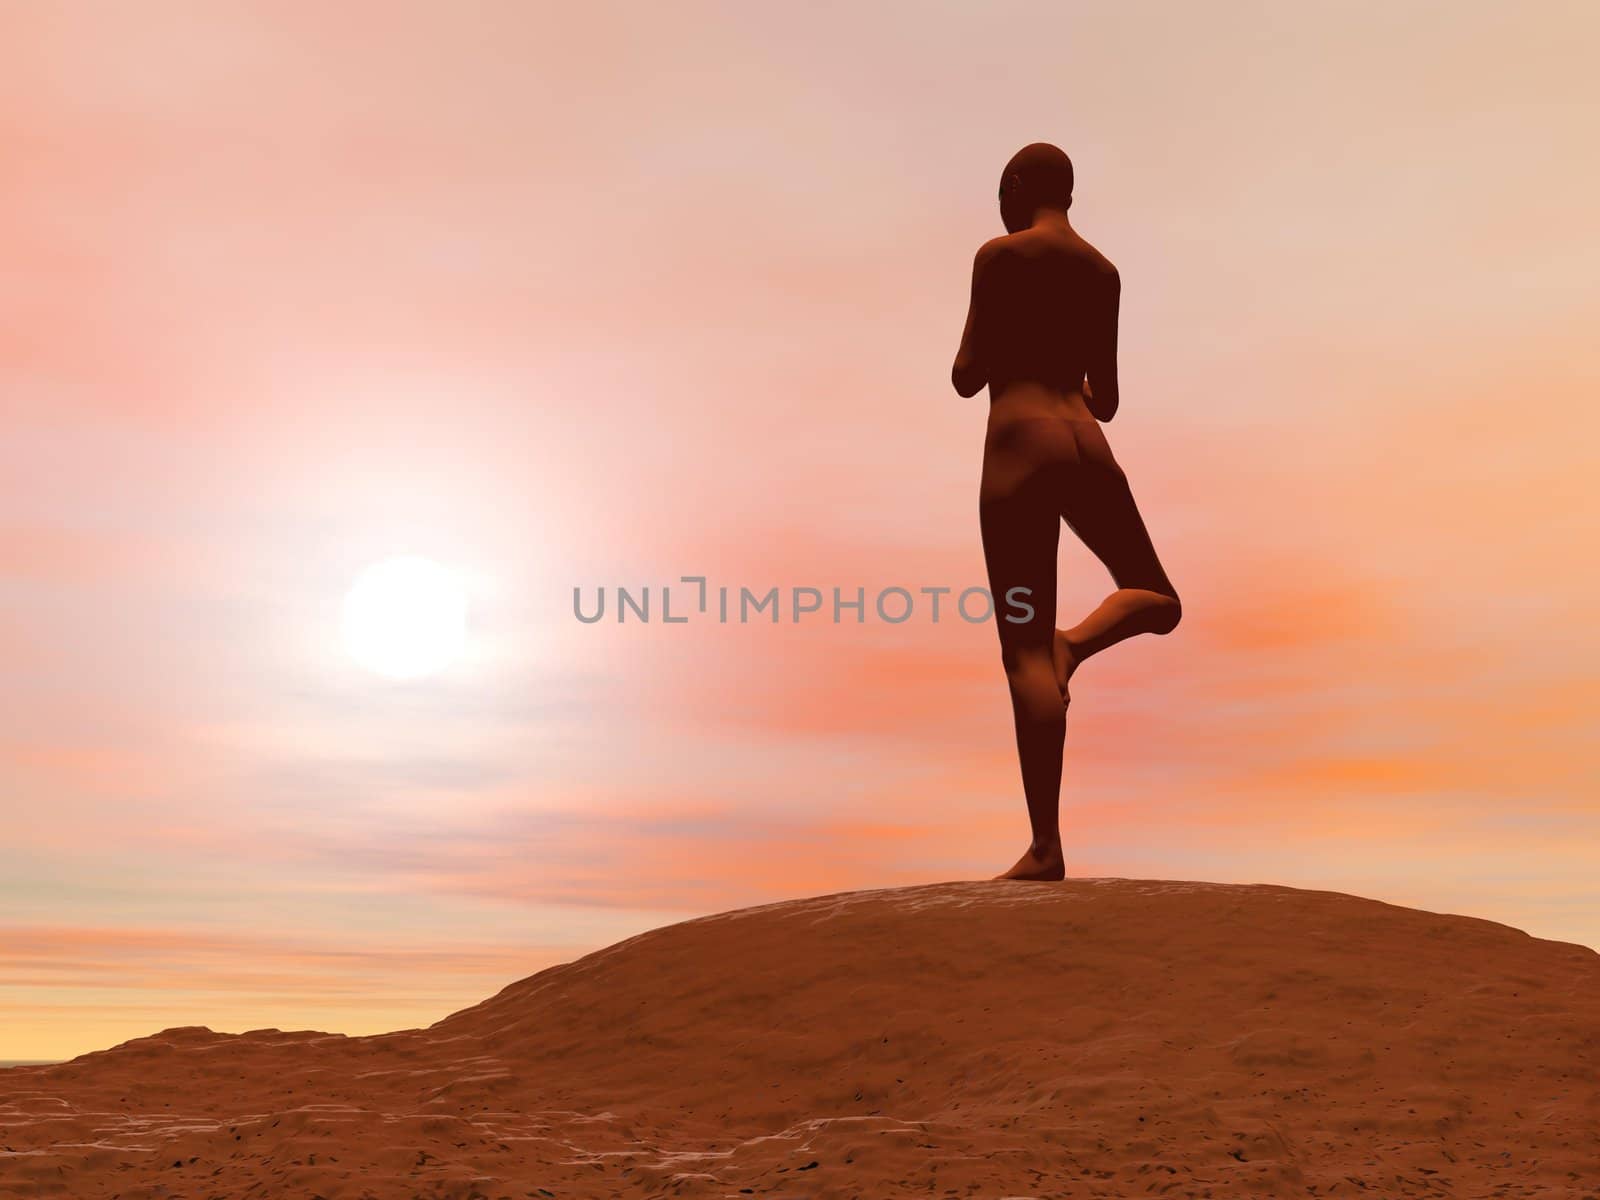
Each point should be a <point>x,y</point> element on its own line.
<point>1098,1037</point>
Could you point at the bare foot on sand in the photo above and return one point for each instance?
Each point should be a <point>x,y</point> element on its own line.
<point>1042,864</point>
<point>1065,663</point>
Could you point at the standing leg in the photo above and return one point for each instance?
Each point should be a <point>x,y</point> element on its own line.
<point>1098,504</point>
<point>1021,530</point>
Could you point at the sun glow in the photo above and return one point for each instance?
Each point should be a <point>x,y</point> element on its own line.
<point>405,618</point>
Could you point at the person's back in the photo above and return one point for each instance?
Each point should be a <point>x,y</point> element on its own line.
<point>1049,303</point>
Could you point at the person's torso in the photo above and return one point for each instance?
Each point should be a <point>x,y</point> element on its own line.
<point>1043,301</point>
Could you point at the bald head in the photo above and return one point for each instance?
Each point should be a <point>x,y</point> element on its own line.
<point>1038,175</point>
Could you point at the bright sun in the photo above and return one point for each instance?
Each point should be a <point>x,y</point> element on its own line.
<point>405,617</point>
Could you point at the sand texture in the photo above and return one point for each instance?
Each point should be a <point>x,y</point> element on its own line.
<point>1097,1037</point>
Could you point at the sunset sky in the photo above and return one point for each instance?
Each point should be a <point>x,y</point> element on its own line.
<point>594,295</point>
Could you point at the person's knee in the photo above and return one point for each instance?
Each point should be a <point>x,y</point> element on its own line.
<point>1035,697</point>
<point>1011,659</point>
<point>1171,613</point>
<point>1020,659</point>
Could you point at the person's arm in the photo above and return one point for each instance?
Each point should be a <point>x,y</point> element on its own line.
<point>970,373</point>
<point>1100,393</point>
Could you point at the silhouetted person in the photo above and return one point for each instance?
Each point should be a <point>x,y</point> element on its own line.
<point>1042,333</point>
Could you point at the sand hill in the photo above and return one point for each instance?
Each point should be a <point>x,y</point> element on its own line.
<point>1098,1037</point>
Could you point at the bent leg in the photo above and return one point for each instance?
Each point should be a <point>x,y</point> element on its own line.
<point>1099,506</point>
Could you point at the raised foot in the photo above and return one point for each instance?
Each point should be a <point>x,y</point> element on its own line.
<point>1043,866</point>
<point>1065,664</point>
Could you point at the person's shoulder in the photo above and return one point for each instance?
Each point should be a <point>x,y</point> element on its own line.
<point>1110,277</point>
<point>1001,254</point>
<point>1100,273</point>
<point>1098,262</point>
<point>996,248</point>
<point>989,264</point>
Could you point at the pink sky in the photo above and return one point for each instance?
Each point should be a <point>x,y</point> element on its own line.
<point>588,295</point>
